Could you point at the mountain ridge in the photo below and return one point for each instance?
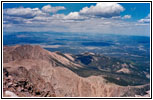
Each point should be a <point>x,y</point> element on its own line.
<point>57,70</point>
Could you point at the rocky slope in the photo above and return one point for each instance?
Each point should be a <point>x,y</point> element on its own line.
<point>30,71</point>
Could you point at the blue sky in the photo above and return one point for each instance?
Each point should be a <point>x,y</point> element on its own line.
<point>110,18</point>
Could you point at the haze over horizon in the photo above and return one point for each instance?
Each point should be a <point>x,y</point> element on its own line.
<point>102,17</point>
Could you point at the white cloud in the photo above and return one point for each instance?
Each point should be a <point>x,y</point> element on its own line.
<point>58,16</point>
<point>145,20</point>
<point>46,19</point>
<point>23,12</point>
<point>103,10</point>
<point>126,16</point>
<point>30,13</point>
<point>50,9</point>
<point>74,16</point>
<point>96,25</point>
<point>87,20</point>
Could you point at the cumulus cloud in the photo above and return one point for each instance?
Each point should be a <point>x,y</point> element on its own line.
<point>101,18</point>
<point>58,16</point>
<point>23,12</point>
<point>30,15</point>
<point>74,16</point>
<point>47,19</point>
<point>32,12</point>
<point>126,16</point>
<point>103,10</point>
<point>50,9</point>
<point>145,20</point>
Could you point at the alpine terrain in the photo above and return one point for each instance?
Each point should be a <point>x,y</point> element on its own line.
<point>31,71</point>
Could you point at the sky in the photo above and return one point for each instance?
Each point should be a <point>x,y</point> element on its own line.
<point>100,18</point>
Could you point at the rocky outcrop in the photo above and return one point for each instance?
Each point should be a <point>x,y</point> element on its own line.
<point>32,71</point>
<point>9,94</point>
<point>26,83</point>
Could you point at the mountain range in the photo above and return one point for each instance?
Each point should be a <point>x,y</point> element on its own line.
<point>31,71</point>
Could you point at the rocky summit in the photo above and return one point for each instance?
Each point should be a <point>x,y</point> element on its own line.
<point>31,71</point>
